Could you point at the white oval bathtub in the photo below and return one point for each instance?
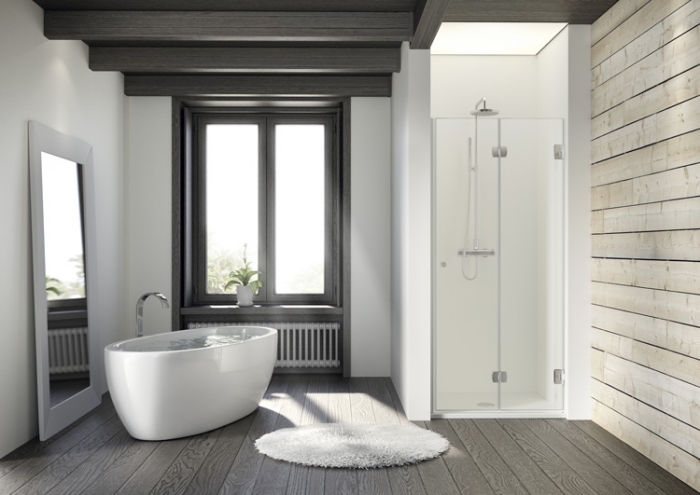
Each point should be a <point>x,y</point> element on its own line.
<point>187,382</point>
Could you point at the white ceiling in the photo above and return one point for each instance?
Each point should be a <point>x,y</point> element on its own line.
<point>491,38</point>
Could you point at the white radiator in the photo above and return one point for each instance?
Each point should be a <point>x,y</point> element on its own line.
<point>299,345</point>
<point>68,350</point>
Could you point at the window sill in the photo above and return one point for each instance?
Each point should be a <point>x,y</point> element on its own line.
<point>258,309</point>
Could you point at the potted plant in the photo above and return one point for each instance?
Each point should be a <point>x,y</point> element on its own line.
<point>241,278</point>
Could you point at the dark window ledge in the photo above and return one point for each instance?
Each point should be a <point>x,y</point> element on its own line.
<point>264,310</point>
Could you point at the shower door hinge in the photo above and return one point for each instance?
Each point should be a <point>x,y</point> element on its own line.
<point>558,376</point>
<point>501,151</point>
<point>499,376</point>
<point>558,151</point>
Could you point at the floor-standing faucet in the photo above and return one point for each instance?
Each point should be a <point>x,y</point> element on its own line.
<point>139,309</point>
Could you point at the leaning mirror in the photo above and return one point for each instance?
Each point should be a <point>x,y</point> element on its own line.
<point>63,242</point>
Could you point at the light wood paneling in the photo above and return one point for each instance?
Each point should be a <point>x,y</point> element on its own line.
<point>676,432</point>
<point>676,276</point>
<point>674,306</point>
<point>658,48</point>
<point>662,97</point>
<point>677,337</point>
<point>642,20</point>
<point>681,245</point>
<point>679,119</point>
<point>667,362</point>
<point>668,215</point>
<point>665,454</point>
<point>673,184</point>
<point>616,15</point>
<point>678,151</point>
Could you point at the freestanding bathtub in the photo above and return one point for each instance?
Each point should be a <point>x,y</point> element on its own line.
<point>187,382</point>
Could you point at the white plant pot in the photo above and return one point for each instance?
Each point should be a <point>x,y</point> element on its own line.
<point>245,295</point>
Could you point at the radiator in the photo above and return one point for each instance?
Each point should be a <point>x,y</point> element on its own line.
<point>299,345</point>
<point>68,350</point>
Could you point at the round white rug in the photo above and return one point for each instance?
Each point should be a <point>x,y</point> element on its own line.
<point>352,445</point>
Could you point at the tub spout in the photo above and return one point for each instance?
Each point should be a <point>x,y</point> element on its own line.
<point>139,309</point>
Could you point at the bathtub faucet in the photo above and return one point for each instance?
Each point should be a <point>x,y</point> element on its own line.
<point>139,309</point>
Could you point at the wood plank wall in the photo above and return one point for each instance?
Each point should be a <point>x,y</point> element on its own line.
<point>646,229</point>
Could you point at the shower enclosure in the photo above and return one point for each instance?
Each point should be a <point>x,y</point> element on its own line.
<point>498,266</point>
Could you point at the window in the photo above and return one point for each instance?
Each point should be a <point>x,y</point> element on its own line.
<point>265,191</point>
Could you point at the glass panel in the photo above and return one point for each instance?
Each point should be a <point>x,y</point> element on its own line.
<point>466,287</point>
<point>63,228</point>
<point>232,168</point>
<point>532,236</point>
<point>300,152</point>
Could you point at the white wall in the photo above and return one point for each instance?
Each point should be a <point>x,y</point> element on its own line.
<point>370,236</point>
<point>49,82</point>
<point>507,82</point>
<point>147,211</point>
<point>411,231</point>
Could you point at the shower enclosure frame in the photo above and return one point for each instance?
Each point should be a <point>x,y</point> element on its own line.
<point>499,412</point>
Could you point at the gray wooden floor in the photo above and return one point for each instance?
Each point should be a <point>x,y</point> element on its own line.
<point>510,457</point>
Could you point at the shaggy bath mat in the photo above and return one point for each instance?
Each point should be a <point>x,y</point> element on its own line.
<point>352,445</point>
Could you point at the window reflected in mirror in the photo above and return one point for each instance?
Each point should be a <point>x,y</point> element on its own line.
<point>63,228</point>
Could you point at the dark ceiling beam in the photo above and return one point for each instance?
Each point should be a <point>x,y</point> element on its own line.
<point>573,12</point>
<point>228,26</point>
<point>427,19</point>
<point>249,85</point>
<point>244,59</point>
<point>234,5</point>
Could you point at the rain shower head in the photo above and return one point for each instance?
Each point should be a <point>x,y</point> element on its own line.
<point>483,111</point>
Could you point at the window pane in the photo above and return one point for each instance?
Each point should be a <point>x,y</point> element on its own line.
<point>232,201</point>
<point>299,209</point>
<point>63,230</point>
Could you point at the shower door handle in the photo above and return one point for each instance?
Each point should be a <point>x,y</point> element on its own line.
<point>477,252</point>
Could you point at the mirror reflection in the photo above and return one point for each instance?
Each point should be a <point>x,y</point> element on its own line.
<point>64,252</point>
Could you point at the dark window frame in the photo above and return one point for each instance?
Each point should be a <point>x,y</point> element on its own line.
<point>266,204</point>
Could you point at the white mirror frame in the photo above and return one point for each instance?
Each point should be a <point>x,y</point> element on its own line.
<point>44,139</point>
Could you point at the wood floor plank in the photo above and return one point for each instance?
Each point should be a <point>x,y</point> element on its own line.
<point>529,473</point>
<point>435,475</point>
<point>92,468</point>
<point>646,467</point>
<point>608,461</point>
<point>303,479</point>
<point>187,463</point>
<point>497,473</point>
<point>374,481</point>
<point>64,465</point>
<point>152,470</point>
<point>464,471</point>
<point>116,474</point>
<point>273,473</point>
<point>35,446</point>
<point>211,474</point>
<point>340,481</point>
<point>601,481</point>
<point>568,481</point>
<point>41,456</point>
<point>246,466</point>
<point>382,402</point>
<point>535,457</point>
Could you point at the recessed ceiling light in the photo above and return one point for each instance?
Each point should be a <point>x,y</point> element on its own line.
<point>494,38</point>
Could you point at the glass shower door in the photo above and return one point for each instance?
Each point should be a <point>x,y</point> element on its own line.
<point>531,263</point>
<point>498,310</point>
